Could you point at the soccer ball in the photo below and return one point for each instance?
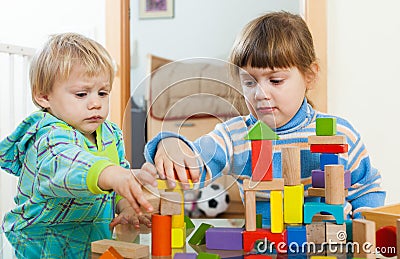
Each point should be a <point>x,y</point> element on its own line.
<point>213,200</point>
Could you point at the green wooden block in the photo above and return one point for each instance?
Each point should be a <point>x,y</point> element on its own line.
<point>199,236</point>
<point>203,255</point>
<point>261,131</point>
<point>189,225</point>
<point>326,127</point>
<point>259,221</point>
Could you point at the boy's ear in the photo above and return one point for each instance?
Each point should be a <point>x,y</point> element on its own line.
<point>42,100</point>
<point>312,76</point>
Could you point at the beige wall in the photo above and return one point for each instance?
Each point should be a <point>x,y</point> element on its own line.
<point>363,83</point>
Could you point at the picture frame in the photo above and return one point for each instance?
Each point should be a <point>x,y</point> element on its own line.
<point>153,9</point>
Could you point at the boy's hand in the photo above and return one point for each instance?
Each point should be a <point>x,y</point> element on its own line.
<point>127,215</point>
<point>128,183</point>
<point>174,155</point>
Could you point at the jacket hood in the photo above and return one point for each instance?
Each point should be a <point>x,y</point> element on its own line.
<point>13,147</point>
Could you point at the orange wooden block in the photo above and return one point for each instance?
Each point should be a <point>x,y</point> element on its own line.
<point>161,235</point>
<point>111,253</point>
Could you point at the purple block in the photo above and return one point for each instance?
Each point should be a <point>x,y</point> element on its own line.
<point>185,256</point>
<point>224,238</point>
<point>318,178</point>
<point>347,179</point>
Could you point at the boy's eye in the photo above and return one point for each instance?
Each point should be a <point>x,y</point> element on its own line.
<point>103,93</point>
<point>80,94</point>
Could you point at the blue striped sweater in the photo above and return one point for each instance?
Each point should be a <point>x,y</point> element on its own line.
<point>225,151</point>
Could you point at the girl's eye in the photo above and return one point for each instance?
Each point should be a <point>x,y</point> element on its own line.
<point>276,81</point>
<point>80,94</point>
<point>249,83</point>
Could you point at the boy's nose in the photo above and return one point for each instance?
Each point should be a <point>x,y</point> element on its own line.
<point>94,103</point>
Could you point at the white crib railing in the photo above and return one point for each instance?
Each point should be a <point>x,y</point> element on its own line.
<point>15,105</point>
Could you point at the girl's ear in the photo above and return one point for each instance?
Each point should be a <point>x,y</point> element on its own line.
<point>42,100</point>
<point>312,76</point>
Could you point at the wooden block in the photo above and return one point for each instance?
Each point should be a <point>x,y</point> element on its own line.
<point>250,207</point>
<point>328,159</point>
<point>293,201</point>
<point>163,185</point>
<point>383,216</point>
<point>398,238</point>
<point>179,219</point>
<point>325,126</point>
<point>203,255</point>
<point>363,232</point>
<point>199,236</point>
<point>316,192</point>
<point>276,201</point>
<point>111,253</point>
<point>178,237</point>
<point>333,149</point>
<point>251,237</point>
<point>316,232</point>
<point>334,184</point>
<point>261,131</point>
<point>337,139</point>
<point>296,238</point>
<point>224,239</point>
<point>171,203</point>
<point>125,249</point>
<point>151,194</point>
<point>276,184</point>
<point>291,169</point>
<point>322,218</point>
<point>185,256</point>
<point>161,235</point>
<point>312,208</point>
<point>261,160</point>
<point>335,233</point>
<point>189,225</point>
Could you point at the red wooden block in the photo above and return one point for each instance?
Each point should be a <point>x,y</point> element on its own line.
<point>261,160</point>
<point>386,240</point>
<point>111,253</point>
<point>329,148</point>
<point>250,238</point>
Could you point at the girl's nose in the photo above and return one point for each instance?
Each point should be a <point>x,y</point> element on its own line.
<point>262,92</point>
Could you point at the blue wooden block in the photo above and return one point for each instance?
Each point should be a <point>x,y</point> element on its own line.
<point>312,208</point>
<point>296,239</point>
<point>328,159</point>
<point>185,256</point>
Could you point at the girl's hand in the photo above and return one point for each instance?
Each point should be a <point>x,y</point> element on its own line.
<point>174,155</point>
<point>128,183</point>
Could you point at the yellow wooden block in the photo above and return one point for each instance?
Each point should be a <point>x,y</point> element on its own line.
<point>276,200</point>
<point>178,237</point>
<point>293,202</point>
<point>179,220</point>
<point>163,185</point>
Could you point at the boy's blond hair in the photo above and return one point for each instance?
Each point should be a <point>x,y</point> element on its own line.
<point>274,40</point>
<point>54,61</point>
